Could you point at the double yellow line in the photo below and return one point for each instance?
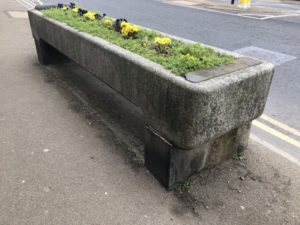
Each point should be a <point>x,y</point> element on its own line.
<point>277,133</point>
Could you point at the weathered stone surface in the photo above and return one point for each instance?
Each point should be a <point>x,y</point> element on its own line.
<point>48,54</point>
<point>171,165</point>
<point>186,115</point>
<point>206,74</point>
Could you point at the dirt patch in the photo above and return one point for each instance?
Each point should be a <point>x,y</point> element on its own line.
<point>253,190</point>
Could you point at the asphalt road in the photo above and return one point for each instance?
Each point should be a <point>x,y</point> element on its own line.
<point>230,32</point>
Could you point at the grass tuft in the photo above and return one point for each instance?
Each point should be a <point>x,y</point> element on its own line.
<point>184,187</point>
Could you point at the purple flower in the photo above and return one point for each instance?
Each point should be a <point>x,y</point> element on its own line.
<point>99,17</point>
<point>117,24</point>
<point>81,12</point>
<point>72,5</point>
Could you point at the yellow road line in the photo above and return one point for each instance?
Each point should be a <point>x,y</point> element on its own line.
<point>276,133</point>
<point>281,125</point>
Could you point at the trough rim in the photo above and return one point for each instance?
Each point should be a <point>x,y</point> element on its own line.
<point>203,86</point>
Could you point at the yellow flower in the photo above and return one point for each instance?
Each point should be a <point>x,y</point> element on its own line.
<point>75,10</point>
<point>128,29</point>
<point>163,41</point>
<point>108,22</point>
<point>189,56</point>
<point>145,44</point>
<point>90,16</point>
<point>65,8</point>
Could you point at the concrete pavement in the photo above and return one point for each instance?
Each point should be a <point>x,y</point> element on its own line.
<point>71,152</point>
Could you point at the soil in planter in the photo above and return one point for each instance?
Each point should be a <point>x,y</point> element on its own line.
<point>174,55</point>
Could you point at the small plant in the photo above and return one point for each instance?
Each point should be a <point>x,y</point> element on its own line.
<point>163,41</point>
<point>117,24</point>
<point>81,12</point>
<point>184,187</point>
<point>188,57</point>
<point>145,40</point>
<point>72,5</point>
<point>75,9</point>
<point>108,23</point>
<point>99,17</point>
<point>237,157</point>
<point>62,6</point>
<point>90,16</point>
<point>129,30</point>
<point>162,45</point>
<point>145,44</point>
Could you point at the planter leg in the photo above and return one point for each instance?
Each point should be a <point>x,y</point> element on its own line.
<point>47,54</point>
<point>171,165</point>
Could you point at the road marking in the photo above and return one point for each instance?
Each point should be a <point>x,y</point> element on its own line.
<point>40,2</point>
<point>30,3</point>
<point>276,58</point>
<point>276,133</point>
<point>185,3</point>
<point>18,14</point>
<point>259,16</point>
<point>211,10</point>
<point>26,3</point>
<point>275,149</point>
<point>249,16</point>
<point>281,125</point>
<point>23,4</point>
<point>279,16</point>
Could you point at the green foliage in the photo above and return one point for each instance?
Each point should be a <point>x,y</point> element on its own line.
<point>181,58</point>
<point>237,157</point>
<point>184,187</point>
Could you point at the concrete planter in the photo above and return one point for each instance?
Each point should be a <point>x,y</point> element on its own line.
<point>188,125</point>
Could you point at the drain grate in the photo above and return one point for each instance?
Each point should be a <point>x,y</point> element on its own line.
<point>18,14</point>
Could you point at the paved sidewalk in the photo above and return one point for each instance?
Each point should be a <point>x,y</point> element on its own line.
<point>71,153</point>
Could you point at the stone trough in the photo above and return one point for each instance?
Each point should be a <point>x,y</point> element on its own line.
<point>192,121</point>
